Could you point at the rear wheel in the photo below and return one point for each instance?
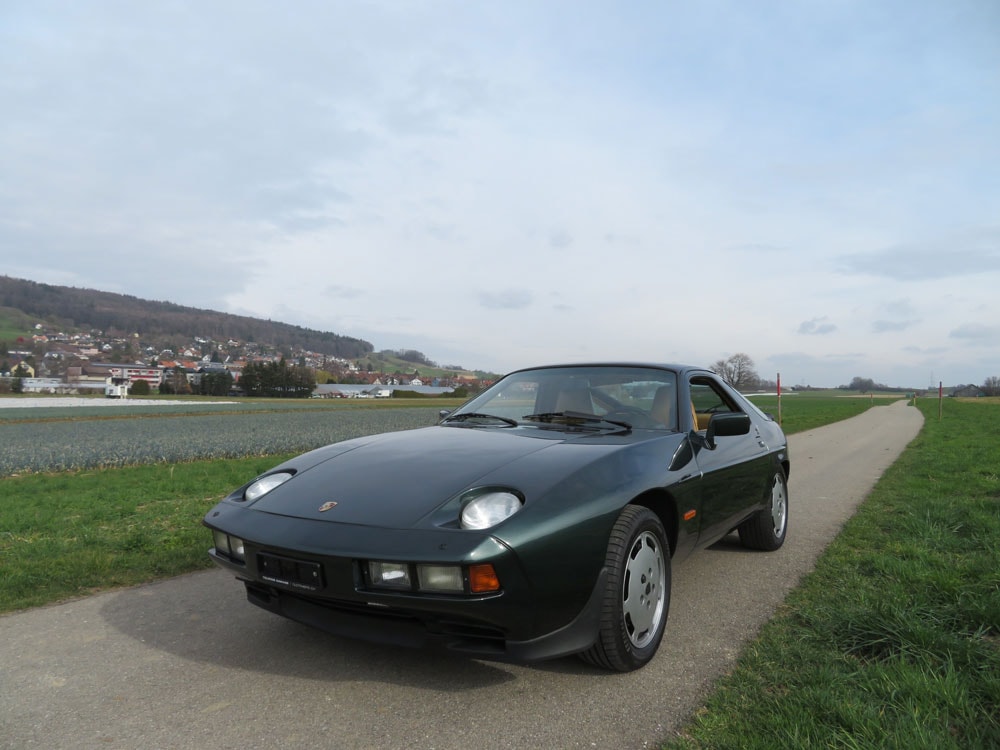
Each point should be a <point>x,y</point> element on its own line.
<point>766,529</point>
<point>637,596</point>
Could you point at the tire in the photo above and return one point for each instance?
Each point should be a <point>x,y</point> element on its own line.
<point>766,529</point>
<point>637,596</point>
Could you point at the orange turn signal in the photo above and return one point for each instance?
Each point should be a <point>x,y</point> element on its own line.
<point>690,514</point>
<point>483,579</point>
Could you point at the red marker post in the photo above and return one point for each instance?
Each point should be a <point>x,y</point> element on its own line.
<point>779,398</point>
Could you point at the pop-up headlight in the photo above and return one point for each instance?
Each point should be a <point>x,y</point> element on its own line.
<point>265,484</point>
<point>489,509</point>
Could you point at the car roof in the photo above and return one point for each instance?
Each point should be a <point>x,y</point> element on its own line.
<point>679,368</point>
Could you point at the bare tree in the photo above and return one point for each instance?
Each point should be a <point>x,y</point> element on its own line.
<point>991,387</point>
<point>738,371</point>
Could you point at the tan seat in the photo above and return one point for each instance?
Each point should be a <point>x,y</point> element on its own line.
<point>575,398</point>
<point>663,409</point>
<point>664,401</point>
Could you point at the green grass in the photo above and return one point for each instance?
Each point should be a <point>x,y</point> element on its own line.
<point>70,533</point>
<point>808,411</point>
<point>14,324</point>
<point>894,640</point>
<point>386,362</point>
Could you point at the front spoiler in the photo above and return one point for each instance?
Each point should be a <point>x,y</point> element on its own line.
<point>417,629</point>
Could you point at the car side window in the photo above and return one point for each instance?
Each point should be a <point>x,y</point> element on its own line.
<point>707,398</point>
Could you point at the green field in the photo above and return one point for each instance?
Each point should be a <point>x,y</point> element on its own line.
<point>14,324</point>
<point>806,411</point>
<point>386,362</point>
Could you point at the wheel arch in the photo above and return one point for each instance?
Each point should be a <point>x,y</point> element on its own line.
<point>663,504</point>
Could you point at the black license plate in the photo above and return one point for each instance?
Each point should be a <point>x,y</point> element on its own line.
<point>284,571</point>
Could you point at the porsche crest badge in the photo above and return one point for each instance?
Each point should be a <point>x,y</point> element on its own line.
<point>326,506</point>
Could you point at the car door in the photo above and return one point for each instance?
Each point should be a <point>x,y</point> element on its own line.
<point>735,469</point>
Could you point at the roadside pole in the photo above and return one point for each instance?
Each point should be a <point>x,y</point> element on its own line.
<point>779,398</point>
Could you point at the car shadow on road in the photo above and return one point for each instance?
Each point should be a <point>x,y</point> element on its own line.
<point>205,617</point>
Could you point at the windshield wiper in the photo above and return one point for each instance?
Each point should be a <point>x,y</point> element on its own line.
<point>476,415</point>
<point>574,417</point>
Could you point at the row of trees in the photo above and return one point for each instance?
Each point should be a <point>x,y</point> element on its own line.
<point>414,356</point>
<point>865,385</point>
<point>210,384</point>
<point>739,371</point>
<point>277,380</point>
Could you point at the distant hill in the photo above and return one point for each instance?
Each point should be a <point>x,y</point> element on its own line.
<point>390,362</point>
<point>83,310</point>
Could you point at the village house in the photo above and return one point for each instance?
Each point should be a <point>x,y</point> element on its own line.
<point>968,391</point>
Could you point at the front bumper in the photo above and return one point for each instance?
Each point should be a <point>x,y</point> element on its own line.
<point>420,628</point>
<point>520,622</point>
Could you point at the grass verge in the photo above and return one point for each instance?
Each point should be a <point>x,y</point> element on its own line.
<point>894,640</point>
<point>70,533</point>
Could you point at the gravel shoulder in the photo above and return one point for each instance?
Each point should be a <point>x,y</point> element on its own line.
<point>188,663</point>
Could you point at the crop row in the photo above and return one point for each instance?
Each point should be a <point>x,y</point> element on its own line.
<point>65,445</point>
<point>125,409</point>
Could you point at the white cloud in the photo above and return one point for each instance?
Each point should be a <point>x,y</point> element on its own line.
<point>892,326</point>
<point>977,333</point>
<point>972,252</point>
<point>506,299</point>
<point>816,327</point>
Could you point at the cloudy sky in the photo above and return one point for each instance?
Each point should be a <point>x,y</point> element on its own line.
<point>499,184</point>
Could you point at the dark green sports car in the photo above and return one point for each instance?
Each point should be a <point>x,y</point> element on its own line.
<point>537,520</point>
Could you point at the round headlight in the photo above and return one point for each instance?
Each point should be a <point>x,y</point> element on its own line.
<point>265,484</point>
<point>489,510</point>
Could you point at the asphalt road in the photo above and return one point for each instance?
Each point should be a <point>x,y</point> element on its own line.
<point>188,663</point>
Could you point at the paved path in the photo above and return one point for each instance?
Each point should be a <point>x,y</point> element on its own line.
<point>188,663</point>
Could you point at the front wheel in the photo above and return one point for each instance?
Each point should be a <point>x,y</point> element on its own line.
<point>766,529</point>
<point>637,596</point>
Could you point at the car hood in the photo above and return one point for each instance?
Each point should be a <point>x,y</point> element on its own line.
<point>396,479</point>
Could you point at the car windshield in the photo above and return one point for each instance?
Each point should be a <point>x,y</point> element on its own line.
<point>619,395</point>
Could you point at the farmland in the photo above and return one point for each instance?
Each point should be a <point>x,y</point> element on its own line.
<point>96,433</point>
<point>57,438</point>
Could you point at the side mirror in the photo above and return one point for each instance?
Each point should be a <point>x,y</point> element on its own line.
<point>726,424</point>
<point>444,413</point>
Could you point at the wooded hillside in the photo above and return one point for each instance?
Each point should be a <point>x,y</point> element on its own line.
<point>86,309</point>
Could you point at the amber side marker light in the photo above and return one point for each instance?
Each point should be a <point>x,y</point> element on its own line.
<point>690,514</point>
<point>483,579</point>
